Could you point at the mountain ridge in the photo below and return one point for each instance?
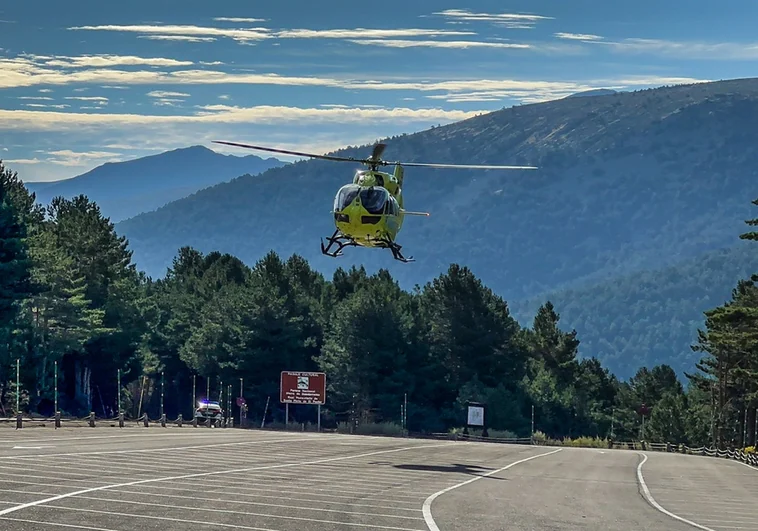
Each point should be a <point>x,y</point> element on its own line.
<point>128,188</point>
<point>627,182</point>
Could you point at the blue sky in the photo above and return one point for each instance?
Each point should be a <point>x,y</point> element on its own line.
<point>84,82</point>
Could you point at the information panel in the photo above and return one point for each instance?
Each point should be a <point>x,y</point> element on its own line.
<point>302,388</point>
<point>475,415</point>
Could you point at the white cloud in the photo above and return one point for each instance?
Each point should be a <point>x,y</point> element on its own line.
<point>45,90</point>
<point>23,161</point>
<point>167,94</point>
<point>239,35</point>
<point>66,157</point>
<point>180,38</point>
<point>399,43</point>
<point>239,19</point>
<point>192,33</point>
<point>25,72</point>
<point>35,98</point>
<point>646,81</point>
<point>366,33</point>
<point>101,61</point>
<point>221,114</point>
<point>688,50</point>
<point>167,102</point>
<point>579,36</point>
<point>511,20</point>
<point>47,106</point>
<point>87,98</point>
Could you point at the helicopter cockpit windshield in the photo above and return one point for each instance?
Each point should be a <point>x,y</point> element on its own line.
<point>373,199</point>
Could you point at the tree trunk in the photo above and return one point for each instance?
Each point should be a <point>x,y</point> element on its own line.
<point>750,430</point>
<point>83,385</point>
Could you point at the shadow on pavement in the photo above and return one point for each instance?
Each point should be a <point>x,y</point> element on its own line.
<point>471,470</point>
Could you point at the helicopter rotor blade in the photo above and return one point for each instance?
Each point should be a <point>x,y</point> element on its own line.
<point>288,152</point>
<point>377,152</point>
<point>465,166</point>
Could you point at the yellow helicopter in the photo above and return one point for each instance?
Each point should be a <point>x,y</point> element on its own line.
<point>369,212</point>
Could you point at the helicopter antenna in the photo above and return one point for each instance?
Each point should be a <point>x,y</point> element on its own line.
<point>374,161</point>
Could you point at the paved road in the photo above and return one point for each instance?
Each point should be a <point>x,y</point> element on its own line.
<point>172,479</point>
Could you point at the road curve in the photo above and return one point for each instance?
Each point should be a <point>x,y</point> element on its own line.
<point>594,489</point>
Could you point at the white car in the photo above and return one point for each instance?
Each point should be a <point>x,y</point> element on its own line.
<point>209,410</point>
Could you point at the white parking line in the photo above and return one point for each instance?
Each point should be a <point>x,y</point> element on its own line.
<point>290,498</point>
<point>78,526</point>
<point>170,519</point>
<point>241,502</point>
<point>309,519</point>
<point>651,500</point>
<point>427,507</point>
<point>147,450</point>
<point>203,474</point>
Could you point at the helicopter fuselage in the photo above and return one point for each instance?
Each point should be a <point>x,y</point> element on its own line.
<point>369,211</point>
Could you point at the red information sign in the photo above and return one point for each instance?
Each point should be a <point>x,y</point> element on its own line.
<point>302,388</point>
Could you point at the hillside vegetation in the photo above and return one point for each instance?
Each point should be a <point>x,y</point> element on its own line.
<point>649,317</point>
<point>70,297</point>
<point>125,189</point>
<point>629,184</point>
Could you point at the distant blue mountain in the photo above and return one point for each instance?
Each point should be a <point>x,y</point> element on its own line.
<point>126,189</point>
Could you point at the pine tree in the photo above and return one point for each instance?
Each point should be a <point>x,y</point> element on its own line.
<point>15,277</point>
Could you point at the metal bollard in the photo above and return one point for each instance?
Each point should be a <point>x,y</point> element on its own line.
<point>163,420</point>
<point>19,422</point>
<point>92,419</point>
<point>194,422</point>
<point>57,419</point>
<point>121,420</point>
<point>146,421</point>
<point>180,420</point>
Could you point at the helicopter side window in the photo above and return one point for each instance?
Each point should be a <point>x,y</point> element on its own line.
<point>393,208</point>
<point>374,199</point>
<point>345,196</point>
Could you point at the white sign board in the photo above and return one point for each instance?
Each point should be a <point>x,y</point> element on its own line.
<point>475,416</point>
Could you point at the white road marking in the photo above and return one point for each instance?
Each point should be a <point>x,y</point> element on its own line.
<point>749,466</point>
<point>31,447</point>
<point>242,502</point>
<point>649,497</point>
<point>125,436</point>
<point>203,474</point>
<point>225,489</point>
<point>245,513</point>
<point>147,450</point>
<point>78,526</point>
<point>170,519</point>
<point>427,507</point>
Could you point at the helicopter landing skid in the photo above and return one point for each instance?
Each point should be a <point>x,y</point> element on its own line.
<point>395,248</point>
<point>338,239</point>
<point>342,241</point>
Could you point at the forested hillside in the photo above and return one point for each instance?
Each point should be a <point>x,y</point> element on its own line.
<point>70,294</point>
<point>124,189</point>
<point>649,317</point>
<point>627,182</point>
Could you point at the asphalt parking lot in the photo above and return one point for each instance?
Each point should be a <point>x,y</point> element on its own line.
<point>190,479</point>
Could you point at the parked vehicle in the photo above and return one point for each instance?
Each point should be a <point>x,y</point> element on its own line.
<point>209,411</point>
